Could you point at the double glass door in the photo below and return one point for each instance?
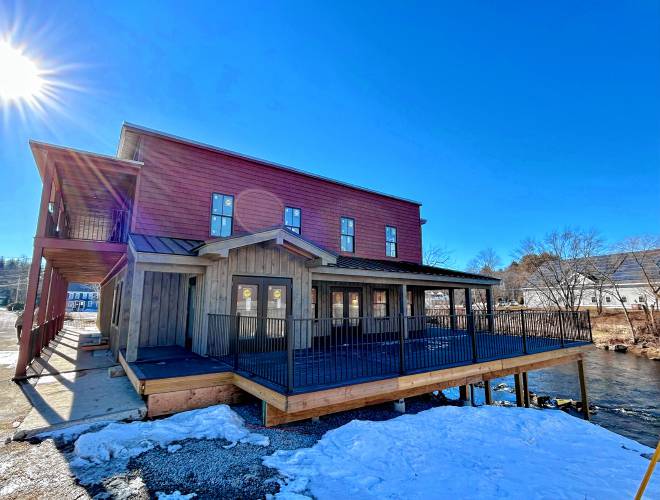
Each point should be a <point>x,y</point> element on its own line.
<point>263,304</point>
<point>346,306</point>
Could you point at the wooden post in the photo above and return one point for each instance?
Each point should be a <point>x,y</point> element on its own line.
<point>46,294</point>
<point>519,389</point>
<point>403,303</point>
<point>490,309</point>
<point>470,324</point>
<point>463,393</point>
<point>488,391</point>
<point>525,390</point>
<point>133,338</point>
<point>583,390</point>
<point>452,308</point>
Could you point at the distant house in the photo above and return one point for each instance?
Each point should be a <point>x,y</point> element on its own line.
<point>608,281</point>
<point>81,297</point>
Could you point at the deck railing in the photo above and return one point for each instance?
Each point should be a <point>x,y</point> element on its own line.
<point>41,335</point>
<point>111,226</point>
<point>304,354</point>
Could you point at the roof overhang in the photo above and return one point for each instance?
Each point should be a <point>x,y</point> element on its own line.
<point>331,272</point>
<point>290,241</point>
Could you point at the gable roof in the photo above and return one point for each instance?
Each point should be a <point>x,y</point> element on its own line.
<point>623,268</point>
<point>127,128</point>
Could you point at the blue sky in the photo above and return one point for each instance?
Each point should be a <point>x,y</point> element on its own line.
<point>505,120</point>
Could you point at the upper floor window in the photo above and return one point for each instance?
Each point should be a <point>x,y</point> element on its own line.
<point>390,241</point>
<point>347,234</point>
<point>222,215</point>
<point>292,219</point>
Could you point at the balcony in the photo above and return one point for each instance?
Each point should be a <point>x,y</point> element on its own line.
<point>109,226</point>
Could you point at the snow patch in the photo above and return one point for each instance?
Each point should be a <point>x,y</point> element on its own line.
<point>8,358</point>
<point>459,452</point>
<point>175,495</point>
<point>69,434</point>
<point>99,454</point>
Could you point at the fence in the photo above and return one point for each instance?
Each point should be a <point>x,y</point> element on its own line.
<point>41,335</point>
<point>301,354</point>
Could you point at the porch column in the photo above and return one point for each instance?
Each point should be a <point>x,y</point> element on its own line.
<point>490,309</point>
<point>46,294</point>
<point>468,301</point>
<point>133,338</point>
<point>452,308</point>
<point>403,302</point>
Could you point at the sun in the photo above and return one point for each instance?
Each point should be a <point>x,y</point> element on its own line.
<point>20,77</point>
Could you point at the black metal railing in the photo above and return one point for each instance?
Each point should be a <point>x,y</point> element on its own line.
<point>111,226</point>
<point>303,354</point>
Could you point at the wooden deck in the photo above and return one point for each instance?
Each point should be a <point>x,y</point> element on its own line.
<point>173,379</point>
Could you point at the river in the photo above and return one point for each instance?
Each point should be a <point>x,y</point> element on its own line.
<point>624,388</point>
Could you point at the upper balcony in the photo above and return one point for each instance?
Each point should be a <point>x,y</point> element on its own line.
<point>86,209</point>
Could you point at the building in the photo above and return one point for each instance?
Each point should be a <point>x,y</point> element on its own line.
<point>223,274</point>
<point>82,298</point>
<point>604,281</point>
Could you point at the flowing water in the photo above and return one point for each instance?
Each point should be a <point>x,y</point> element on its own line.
<point>624,388</point>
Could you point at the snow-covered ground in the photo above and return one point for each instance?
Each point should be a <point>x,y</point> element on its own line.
<point>103,452</point>
<point>465,452</point>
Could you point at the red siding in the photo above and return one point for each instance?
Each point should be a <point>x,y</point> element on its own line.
<point>177,181</point>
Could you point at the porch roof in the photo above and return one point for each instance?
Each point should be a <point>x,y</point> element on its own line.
<point>400,269</point>
<point>164,245</point>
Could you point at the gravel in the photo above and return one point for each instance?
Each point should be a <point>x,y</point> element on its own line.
<point>209,468</point>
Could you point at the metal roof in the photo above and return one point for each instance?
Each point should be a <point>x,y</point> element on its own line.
<point>164,244</point>
<point>360,263</point>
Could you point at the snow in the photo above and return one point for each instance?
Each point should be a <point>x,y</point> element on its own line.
<point>98,454</point>
<point>8,358</point>
<point>466,452</point>
<point>175,495</point>
<point>71,433</point>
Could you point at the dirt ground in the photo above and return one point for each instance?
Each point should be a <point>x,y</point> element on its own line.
<point>611,328</point>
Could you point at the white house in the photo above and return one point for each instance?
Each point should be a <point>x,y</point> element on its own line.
<point>606,280</point>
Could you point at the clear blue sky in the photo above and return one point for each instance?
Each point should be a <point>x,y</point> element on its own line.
<point>504,120</point>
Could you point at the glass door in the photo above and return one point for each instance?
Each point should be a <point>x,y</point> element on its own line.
<point>263,304</point>
<point>346,309</point>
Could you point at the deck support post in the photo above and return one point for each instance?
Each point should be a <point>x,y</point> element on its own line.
<point>470,324</point>
<point>463,393</point>
<point>519,386</point>
<point>400,406</point>
<point>452,308</point>
<point>488,391</point>
<point>583,390</point>
<point>525,389</point>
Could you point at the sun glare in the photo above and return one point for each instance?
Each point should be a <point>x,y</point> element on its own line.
<point>20,78</point>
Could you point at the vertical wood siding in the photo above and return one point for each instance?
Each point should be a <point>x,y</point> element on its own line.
<point>177,182</point>
<point>164,309</point>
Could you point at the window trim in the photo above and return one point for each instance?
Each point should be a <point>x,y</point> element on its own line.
<point>231,217</point>
<point>315,291</point>
<point>341,234</point>
<point>387,302</point>
<point>299,217</point>
<point>396,242</point>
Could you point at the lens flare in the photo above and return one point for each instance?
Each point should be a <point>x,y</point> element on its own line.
<point>20,77</point>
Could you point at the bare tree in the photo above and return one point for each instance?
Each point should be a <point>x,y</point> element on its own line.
<point>436,255</point>
<point>560,278</point>
<point>485,262</point>
<point>643,250</point>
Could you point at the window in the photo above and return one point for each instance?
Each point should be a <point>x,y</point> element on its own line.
<point>608,299</point>
<point>379,303</point>
<point>222,215</point>
<point>347,235</point>
<point>642,299</point>
<point>409,303</point>
<point>390,241</point>
<point>314,308</point>
<point>116,312</point>
<point>593,299</point>
<point>624,298</point>
<point>292,219</point>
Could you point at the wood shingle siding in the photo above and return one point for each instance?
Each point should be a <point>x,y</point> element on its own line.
<point>177,181</point>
